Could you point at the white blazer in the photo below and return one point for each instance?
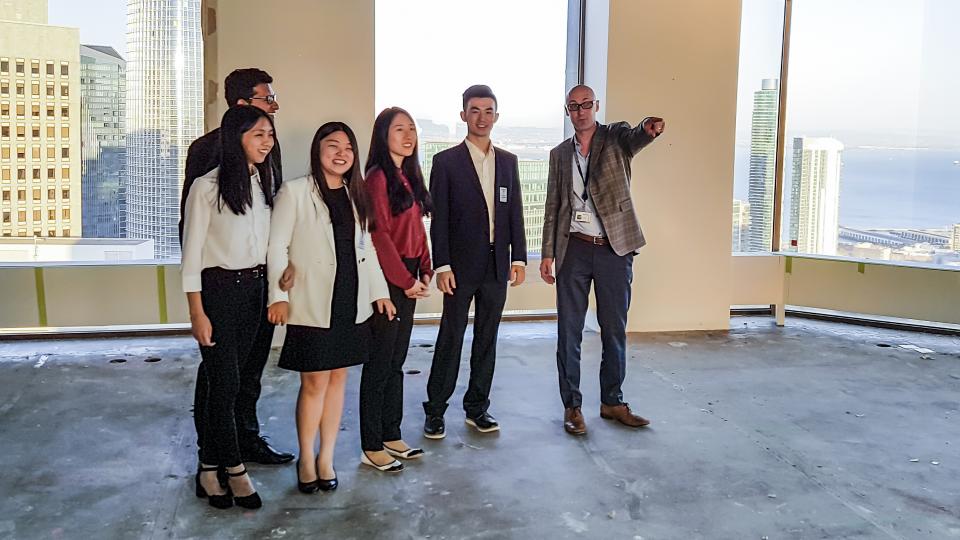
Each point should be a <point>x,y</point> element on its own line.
<point>301,232</point>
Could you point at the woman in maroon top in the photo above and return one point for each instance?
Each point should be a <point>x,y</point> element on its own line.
<point>400,200</point>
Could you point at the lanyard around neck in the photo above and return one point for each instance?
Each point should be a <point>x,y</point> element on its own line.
<point>584,177</point>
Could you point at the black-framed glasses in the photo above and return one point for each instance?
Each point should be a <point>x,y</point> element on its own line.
<point>269,98</point>
<point>574,107</point>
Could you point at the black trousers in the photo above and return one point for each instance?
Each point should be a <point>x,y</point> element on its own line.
<point>489,296</point>
<point>381,384</point>
<point>228,379</point>
<point>611,275</point>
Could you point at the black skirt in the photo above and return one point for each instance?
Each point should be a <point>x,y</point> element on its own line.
<point>345,343</point>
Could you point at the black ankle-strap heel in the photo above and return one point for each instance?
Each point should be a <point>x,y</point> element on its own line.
<point>217,501</point>
<point>251,501</point>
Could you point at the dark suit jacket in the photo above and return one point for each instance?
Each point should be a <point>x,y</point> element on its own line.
<point>611,150</point>
<point>460,230</point>
<point>203,156</point>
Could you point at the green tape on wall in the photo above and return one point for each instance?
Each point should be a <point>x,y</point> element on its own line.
<point>789,265</point>
<point>162,293</point>
<point>862,268</point>
<point>41,296</point>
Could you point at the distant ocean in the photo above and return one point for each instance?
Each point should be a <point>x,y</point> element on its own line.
<point>882,188</point>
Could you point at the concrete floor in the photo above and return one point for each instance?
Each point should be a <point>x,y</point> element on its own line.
<point>808,431</point>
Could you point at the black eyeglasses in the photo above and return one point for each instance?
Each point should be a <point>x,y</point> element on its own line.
<point>270,98</point>
<point>574,107</point>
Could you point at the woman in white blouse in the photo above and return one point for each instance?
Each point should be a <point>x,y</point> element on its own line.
<point>320,225</point>
<point>226,229</point>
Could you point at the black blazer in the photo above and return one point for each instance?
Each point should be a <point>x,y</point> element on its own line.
<point>460,230</point>
<point>203,156</point>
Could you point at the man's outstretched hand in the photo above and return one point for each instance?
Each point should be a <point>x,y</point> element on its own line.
<point>654,126</point>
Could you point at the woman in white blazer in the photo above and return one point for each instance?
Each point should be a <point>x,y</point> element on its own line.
<point>319,225</point>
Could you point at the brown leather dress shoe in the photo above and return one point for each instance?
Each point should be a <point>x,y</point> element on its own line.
<point>573,421</point>
<point>622,413</point>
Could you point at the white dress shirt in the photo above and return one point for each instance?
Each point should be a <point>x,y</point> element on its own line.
<point>213,236</point>
<point>485,165</point>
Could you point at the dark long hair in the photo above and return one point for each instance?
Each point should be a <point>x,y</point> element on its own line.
<point>233,180</point>
<point>400,198</point>
<point>353,179</point>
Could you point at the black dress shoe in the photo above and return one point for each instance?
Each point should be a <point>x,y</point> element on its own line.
<point>484,423</point>
<point>433,427</point>
<point>261,452</point>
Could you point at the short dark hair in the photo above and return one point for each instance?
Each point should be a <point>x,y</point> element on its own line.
<point>240,83</point>
<point>478,91</point>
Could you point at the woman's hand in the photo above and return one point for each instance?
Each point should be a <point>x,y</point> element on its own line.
<point>419,290</point>
<point>278,312</point>
<point>286,278</point>
<point>202,330</point>
<point>386,307</point>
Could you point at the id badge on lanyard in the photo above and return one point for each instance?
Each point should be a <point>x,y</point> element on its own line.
<point>582,216</point>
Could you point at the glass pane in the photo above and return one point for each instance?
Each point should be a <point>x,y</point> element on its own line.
<point>530,45</point>
<point>155,49</point>
<point>873,131</point>
<point>758,98</point>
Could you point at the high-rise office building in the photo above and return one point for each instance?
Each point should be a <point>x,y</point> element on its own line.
<point>763,155</point>
<point>955,237</point>
<point>741,226</point>
<point>164,114</point>
<point>39,135</point>
<point>815,195</point>
<point>430,149</point>
<point>103,86</point>
<point>533,185</point>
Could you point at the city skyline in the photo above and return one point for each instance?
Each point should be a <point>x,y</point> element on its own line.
<point>813,224</point>
<point>909,81</point>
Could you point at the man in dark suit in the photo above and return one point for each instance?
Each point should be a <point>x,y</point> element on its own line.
<point>478,247</point>
<point>250,86</point>
<point>591,230</point>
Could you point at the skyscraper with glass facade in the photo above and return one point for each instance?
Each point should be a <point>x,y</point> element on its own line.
<point>164,114</point>
<point>815,195</point>
<point>763,157</point>
<point>103,93</point>
<point>533,185</point>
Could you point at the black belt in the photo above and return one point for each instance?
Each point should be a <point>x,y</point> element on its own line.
<point>223,274</point>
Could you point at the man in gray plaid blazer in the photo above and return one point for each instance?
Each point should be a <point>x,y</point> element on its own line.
<point>591,231</point>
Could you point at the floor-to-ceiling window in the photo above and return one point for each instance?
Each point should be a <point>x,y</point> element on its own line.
<point>429,52</point>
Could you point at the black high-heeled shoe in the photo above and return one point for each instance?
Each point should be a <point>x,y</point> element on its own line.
<point>217,501</point>
<point>327,485</point>
<point>307,487</point>
<point>252,501</point>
